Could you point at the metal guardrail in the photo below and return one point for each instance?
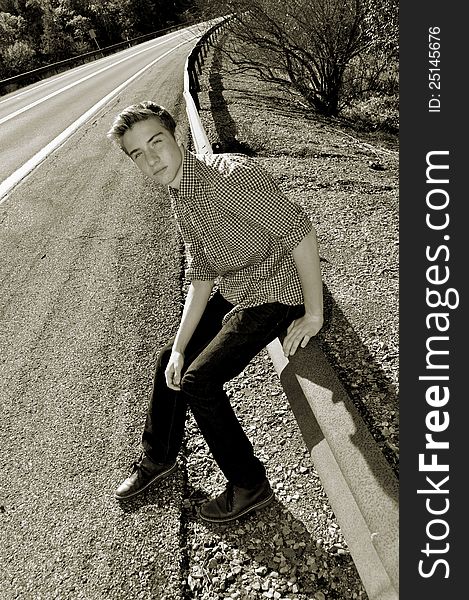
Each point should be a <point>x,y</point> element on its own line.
<point>37,74</point>
<point>192,70</point>
<point>362,488</point>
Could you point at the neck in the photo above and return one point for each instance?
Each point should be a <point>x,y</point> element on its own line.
<point>177,179</point>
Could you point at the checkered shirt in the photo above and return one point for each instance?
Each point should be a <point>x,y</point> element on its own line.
<point>240,229</point>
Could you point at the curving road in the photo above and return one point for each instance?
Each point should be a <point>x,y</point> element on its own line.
<point>32,118</point>
<point>89,279</point>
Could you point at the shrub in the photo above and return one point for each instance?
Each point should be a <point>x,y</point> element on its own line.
<point>17,58</point>
<point>329,51</point>
<point>377,113</point>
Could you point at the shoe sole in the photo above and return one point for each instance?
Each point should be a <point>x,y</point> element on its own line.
<point>254,507</point>
<point>161,475</point>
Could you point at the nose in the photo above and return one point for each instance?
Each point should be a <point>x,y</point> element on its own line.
<point>152,158</point>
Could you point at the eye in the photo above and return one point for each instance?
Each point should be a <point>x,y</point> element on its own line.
<point>137,155</point>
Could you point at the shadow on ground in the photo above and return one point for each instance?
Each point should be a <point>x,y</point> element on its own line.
<point>279,545</point>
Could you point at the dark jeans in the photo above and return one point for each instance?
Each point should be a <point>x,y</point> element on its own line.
<point>215,354</point>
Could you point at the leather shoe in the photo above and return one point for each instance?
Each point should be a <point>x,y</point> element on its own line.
<point>236,502</point>
<point>144,473</point>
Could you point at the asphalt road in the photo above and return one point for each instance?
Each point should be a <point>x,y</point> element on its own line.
<point>32,117</point>
<point>90,287</point>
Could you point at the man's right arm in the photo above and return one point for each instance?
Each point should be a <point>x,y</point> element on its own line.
<point>196,301</point>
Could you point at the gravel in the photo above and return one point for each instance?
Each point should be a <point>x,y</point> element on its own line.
<point>294,548</point>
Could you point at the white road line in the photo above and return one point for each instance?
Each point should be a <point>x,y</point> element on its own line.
<point>73,84</point>
<point>70,72</point>
<point>74,70</point>
<point>33,87</point>
<point>14,96</point>
<point>19,174</point>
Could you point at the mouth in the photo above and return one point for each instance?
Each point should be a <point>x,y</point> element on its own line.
<point>158,172</point>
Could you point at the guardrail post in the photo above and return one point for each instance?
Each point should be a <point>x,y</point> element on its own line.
<point>198,62</point>
<point>194,88</point>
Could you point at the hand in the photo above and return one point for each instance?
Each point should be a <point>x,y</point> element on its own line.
<point>300,332</point>
<point>173,370</point>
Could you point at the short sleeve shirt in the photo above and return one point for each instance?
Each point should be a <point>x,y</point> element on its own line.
<point>239,229</point>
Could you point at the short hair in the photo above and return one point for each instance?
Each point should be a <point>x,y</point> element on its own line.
<point>136,113</point>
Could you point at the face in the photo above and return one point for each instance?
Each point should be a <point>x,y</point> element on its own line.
<point>155,151</point>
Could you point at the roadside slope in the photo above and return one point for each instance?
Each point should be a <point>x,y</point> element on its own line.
<point>348,183</point>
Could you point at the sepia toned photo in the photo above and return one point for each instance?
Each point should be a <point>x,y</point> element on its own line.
<point>199,231</point>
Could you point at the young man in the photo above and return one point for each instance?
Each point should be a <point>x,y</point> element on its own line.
<point>261,248</point>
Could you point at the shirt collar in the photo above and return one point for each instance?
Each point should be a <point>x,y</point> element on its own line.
<point>188,179</point>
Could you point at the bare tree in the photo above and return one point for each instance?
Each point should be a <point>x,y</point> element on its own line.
<point>302,45</point>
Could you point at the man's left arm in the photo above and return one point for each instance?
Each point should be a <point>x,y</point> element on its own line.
<point>306,257</point>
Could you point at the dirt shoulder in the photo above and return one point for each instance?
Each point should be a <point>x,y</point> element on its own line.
<point>348,184</point>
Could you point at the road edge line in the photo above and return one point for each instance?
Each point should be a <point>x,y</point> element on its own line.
<point>17,176</point>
